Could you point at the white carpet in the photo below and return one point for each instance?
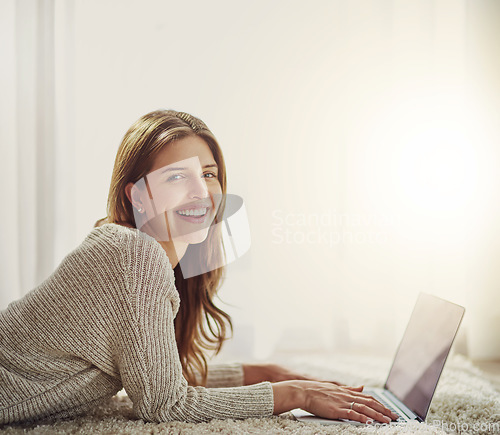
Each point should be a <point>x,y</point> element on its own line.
<point>465,402</point>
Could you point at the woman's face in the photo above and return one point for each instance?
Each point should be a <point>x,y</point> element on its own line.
<point>184,192</point>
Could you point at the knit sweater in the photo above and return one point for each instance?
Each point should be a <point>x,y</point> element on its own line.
<point>102,321</point>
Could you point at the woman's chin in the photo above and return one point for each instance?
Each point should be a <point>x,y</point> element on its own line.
<point>195,237</point>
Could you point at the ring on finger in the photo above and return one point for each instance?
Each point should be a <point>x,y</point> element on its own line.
<point>352,404</point>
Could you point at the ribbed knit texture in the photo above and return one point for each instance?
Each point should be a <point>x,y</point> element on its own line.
<point>105,320</point>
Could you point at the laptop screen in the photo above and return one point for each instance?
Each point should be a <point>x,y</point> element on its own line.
<point>423,351</point>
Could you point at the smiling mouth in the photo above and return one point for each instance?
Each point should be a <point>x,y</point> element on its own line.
<point>195,212</point>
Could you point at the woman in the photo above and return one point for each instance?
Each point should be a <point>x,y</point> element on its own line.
<point>118,313</point>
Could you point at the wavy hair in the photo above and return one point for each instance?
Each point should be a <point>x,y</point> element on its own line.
<point>199,325</point>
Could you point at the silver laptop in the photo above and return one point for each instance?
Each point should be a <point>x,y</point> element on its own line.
<point>418,363</point>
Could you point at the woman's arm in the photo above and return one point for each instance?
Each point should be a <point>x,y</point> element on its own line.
<point>147,357</point>
<point>151,373</point>
<point>325,399</point>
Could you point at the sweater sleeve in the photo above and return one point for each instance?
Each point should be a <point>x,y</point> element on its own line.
<point>149,363</point>
<point>225,375</point>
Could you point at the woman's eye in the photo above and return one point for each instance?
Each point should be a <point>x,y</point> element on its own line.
<point>175,177</point>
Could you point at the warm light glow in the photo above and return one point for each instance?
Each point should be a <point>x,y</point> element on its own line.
<point>436,170</point>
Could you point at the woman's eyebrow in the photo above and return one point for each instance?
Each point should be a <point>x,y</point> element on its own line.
<point>213,165</point>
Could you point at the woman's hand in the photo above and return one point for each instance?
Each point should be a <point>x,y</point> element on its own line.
<point>255,373</point>
<point>327,400</point>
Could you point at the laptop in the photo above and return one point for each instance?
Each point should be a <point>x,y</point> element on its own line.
<point>418,363</point>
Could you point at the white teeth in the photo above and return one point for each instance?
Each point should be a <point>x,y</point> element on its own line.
<point>197,212</point>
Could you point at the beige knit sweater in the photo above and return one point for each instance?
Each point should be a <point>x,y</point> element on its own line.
<point>102,321</point>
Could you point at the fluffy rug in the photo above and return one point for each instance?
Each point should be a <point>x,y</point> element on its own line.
<point>465,402</point>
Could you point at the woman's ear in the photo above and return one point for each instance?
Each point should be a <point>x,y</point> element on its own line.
<point>134,196</point>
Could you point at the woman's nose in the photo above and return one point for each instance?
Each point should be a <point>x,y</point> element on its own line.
<point>198,188</point>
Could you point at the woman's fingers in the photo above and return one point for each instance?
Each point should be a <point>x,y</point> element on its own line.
<point>371,413</point>
<point>358,412</point>
<point>367,406</point>
<point>367,400</point>
<point>330,401</point>
<point>350,414</point>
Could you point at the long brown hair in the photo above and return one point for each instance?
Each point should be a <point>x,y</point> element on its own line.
<point>199,325</point>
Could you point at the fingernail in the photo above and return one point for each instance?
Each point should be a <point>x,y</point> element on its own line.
<point>387,419</point>
<point>394,415</point>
